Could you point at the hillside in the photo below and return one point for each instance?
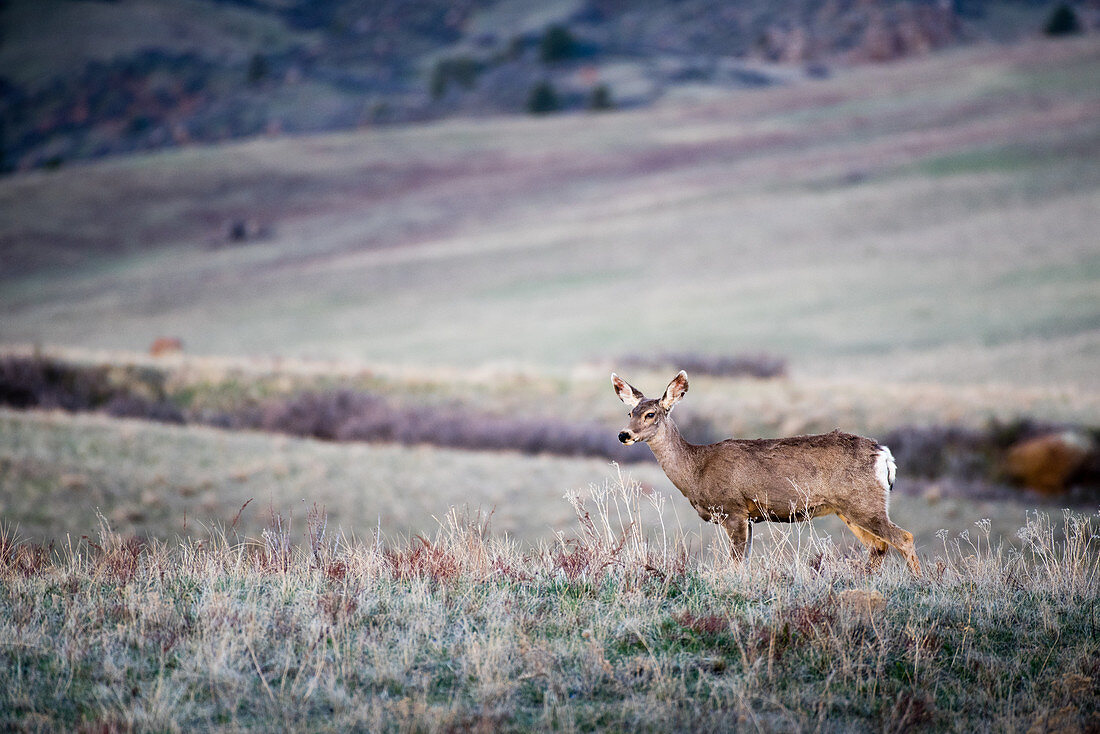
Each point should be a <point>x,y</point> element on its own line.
<point>87,79</point>
<point>933,220</point>
<point>314,431</point>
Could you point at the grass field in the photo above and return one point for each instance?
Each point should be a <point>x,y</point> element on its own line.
<point>60,473</point>
<point>617,629</point>
<point>917,240</point>
<point>929,221</point>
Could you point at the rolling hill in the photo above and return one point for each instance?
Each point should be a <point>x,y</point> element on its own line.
<point>932,220</point>
<point>82,79</point>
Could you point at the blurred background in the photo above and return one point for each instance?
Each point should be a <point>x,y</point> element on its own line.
<point>380,257</point>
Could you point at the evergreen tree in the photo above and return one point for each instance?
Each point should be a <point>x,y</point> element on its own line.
<point>557,45</point>
<point>1063,21</point>
<point>543,99</point>
<point>601,99</point>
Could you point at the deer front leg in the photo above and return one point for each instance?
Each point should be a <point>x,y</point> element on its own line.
<point>739,530</point>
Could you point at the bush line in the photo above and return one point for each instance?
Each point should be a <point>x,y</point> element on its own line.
<point>341,414</point>
<point>333,415</point>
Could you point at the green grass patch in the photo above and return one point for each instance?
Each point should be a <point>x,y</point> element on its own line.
<point>998,160</point>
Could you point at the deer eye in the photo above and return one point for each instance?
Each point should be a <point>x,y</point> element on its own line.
<point>649,416</point>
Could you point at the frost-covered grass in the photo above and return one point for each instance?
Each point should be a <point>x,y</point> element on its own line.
<point>608,626</point>
<point>58,470</point>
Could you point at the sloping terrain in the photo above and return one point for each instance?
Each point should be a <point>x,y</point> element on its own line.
<point>63,475</point>
<point>85,79</point>
<point>915,243</point>
<point>929,221</point>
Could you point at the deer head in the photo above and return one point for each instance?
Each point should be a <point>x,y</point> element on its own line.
<point>647,416</point>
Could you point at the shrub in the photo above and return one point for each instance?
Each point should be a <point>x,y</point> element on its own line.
<point>348,416</point>
<point>257,69</point>
<point>762,366</point>
<point>557,44</point>
<point>543,99</point>
<point>934,451</point>
<point>32,382</point>
<point>462,71</point>
<point>1063,21</point>
<point>601,99</point>
<point>318,415</point>
<point>136,406</point>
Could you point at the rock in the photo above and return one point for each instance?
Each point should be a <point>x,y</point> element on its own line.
<point>74,482</point>
<point>1047,463</point>
<point>165,345</point>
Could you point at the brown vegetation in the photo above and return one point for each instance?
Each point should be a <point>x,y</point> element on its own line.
<point>462,630</point>
<point>761,366</point>
<point>963,454</point>
<point>334,415</point>
<point>1049,461</point>
<point>165,345</point>
<point>149,84</point>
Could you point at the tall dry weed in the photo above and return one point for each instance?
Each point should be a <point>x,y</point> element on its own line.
<point>623,623</point>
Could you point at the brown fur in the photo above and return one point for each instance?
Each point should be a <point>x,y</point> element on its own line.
<point>742,481</point>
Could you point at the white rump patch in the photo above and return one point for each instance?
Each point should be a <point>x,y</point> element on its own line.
<point>885,468</point>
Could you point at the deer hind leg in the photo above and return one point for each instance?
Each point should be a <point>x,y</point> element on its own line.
<point>876,546</point>
<point>739,530</point>
<point>880,526</point>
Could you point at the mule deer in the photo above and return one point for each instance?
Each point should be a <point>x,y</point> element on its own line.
<point>738,482</point>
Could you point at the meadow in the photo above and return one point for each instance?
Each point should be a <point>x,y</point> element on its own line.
<point>930,221</point>
<point>606,627</point>
<point>916,241</point>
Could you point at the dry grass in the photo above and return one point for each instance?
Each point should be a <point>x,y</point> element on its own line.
<point>578,393</point>
<point>919,240</point>
<point>928,221</point>
<point>158,481</point>
<point>58,470</point>
<point>608,627</point>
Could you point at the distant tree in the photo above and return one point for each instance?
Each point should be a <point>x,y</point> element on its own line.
<point>462,71</point>
<point>557,44</point>
<point>380,111</point>
<point>601,99</point>
<point>140,123</point>
<point>1063,21</point>
<point>516,48</point>
<point>257,69</point>
<point>543,99</point>
<point>437,85</point>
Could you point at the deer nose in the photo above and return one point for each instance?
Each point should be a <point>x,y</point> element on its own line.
<point>624,437</point>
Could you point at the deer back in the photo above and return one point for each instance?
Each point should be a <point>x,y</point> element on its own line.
<point>787,478</point>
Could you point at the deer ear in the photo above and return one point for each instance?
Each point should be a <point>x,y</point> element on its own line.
<point>627,393</point>
<point>675,390</point>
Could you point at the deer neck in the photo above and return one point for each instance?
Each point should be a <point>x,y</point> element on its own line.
<point>676,456</point>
